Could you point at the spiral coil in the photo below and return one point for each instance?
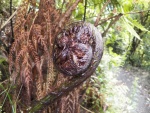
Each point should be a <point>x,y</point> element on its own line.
<point>74,48</point>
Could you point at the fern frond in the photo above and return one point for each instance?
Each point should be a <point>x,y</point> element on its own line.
<point>36,59</point>
<point>20,55</point>
<point>36,33</point>
<point>43,42</point>
<point>20,19</point>
<point>30,18</point>
<point>26,78</point>
<point>70,103</point>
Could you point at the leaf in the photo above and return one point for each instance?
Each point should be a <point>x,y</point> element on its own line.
<point>137,24</point>
<point>130,28</point>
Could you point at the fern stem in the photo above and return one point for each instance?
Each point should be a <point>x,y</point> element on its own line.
<point>11,21</point>
<point>85,10</point>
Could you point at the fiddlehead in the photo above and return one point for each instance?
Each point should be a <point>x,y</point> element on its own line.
<point>74,48</point>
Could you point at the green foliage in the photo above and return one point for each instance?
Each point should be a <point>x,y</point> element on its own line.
<point>4,73</point>
<point>139,50</point>
<point>78,14</point>
<point>137,24</point>
<point>5,5</point>
<point>6,95</point>
<point>131,29</point>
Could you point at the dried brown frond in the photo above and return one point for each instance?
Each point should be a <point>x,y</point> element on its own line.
<point>20,19</point>
<point>30,57</point>
<point>20,56</point>
<point>26,77</point>
<point>35,57</point>
<point>69,103</point>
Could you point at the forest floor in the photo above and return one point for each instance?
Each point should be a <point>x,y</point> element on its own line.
<point>137,82</point>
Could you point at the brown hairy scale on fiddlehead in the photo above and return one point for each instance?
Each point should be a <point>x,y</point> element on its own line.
<point>73,49</point>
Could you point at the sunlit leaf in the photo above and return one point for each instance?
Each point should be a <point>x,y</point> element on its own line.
<point>131,29</point>
<point>137,24</point>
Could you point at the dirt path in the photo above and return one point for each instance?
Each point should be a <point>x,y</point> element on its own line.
<point>138,84</point>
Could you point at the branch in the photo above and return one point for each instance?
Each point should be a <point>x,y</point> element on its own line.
<point>8,20</point>
<point>68,12</point>
<point>137,12</point>
<point>99,15</point>
<point>111,23</point>
<point>108,18</point>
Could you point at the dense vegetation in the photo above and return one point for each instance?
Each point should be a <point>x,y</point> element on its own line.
<point>125,28</point>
